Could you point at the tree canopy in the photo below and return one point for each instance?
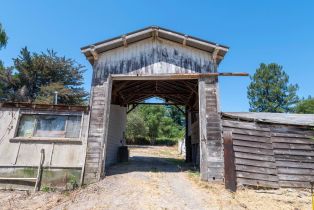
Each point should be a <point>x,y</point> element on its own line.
<point>305,106</point>
<point>270,91</point>
<point>3,37</point>
<point>154,122</point>
<point>36,76</point>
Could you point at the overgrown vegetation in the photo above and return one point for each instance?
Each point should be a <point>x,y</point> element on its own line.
<point>155,124</point>
<point>72,181</point>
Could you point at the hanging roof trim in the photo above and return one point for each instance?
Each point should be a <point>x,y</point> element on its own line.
<point>91,51</point>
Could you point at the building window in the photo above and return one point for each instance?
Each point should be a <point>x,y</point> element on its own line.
<point>49,126</point>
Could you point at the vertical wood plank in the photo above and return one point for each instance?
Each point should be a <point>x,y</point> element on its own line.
<point>203,130</point>
<point>188,143</point>
<point>230,170</point>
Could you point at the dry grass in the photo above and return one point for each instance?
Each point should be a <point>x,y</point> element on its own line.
<point>246,198</point>
<point>157,189</point>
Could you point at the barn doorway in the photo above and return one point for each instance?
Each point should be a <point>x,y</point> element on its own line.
<point>129,95</point>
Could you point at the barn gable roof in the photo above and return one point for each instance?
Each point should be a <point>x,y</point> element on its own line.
<point>91,51</point>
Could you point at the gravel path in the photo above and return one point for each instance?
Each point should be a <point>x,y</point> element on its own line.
<point>153,179</point>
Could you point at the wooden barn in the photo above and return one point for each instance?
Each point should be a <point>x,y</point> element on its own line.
<point>259,149</point>
<point>154,62</point>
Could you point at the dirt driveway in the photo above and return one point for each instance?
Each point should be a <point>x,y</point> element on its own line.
<point>155,179</point>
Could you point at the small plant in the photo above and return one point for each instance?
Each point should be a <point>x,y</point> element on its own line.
<point>73,182</point>
<point>194,173</point>
<point>46,188</point>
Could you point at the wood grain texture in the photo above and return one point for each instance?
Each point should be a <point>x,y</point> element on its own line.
<point>95,141</point>
<point>211,149</point>
<point>151,56</point>
<point>272,155</point>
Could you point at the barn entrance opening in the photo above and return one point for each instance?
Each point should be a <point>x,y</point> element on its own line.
<point>170,106</point>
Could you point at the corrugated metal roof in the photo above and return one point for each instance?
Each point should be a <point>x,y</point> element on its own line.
<point>149,32</point>
<point>277,118</point>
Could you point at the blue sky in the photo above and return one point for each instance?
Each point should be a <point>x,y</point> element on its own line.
<point>256,31</point>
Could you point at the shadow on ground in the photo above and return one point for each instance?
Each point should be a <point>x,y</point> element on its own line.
<point>148,164</point>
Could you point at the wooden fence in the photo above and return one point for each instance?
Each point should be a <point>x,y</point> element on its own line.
<point>271,155</point>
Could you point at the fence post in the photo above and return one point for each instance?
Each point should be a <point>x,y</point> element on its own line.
<point>229,163</point>
<point>40,170</point>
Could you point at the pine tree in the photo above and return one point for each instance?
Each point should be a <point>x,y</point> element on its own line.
<point>270,91</point>
<point>3,37</point>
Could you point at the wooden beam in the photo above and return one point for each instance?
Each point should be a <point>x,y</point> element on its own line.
<point>40,170</point>
<point>94,53</point>
<point>229,162</point>
<point>175,76</point>
<point>130,110</point>
<point>166,104</point>
<point>183,112</point>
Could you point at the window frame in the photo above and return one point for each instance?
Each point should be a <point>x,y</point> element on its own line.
<point>17,138</point>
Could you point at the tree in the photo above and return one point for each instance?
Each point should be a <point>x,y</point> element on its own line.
<point>152,122</point>
<point>3,37</point>
<point>305,106</point>
<point>136,127</point>
<point>35,77</point>
<point>270,91</point>
<point>153,115</point>
<point>3,43</point>
<point>177,115</point>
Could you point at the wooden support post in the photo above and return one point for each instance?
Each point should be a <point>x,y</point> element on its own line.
<point>188,143</point>
<point>40,170</point>
<point>230,171</point>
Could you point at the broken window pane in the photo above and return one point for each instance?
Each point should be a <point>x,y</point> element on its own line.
<point>73,127</point>
<point>26,126</point>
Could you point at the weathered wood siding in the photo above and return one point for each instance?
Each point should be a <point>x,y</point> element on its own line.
<point>294,154</point>
<point>211,150</point>
<point>14,153</point>
<point>117,122</point>
<point>195,140</point>
<point>151,56</point>
<point>97,134</point>
<point>272,155</point>
<point>254,154</point>
<point>20,158</point>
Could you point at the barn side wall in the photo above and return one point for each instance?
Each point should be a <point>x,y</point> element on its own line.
<point>97,132</point>
<point>211,149</point>
<point>117,123</point>
<point>272,155</point>
<point>63,160</point>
